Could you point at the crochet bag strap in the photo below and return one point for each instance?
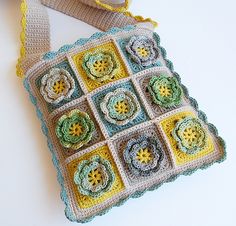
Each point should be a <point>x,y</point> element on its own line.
<point>35,35</point>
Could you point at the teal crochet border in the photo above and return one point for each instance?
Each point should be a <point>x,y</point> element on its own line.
<point>202,116</point>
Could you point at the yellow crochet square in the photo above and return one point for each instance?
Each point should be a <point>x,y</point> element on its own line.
<point>120,72</point>
<point>86,201</point>
<point>168,125</point>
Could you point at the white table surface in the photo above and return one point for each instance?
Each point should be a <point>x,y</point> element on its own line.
<point>200,38</point>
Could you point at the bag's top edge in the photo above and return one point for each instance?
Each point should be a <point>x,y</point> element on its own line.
<point>52,55</point>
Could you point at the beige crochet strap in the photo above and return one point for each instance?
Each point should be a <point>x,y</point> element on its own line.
<point>93,14</point>
<point>35,36</point>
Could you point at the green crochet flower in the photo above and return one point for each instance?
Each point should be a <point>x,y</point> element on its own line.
<point>100,65</point>
<point>74,129</point>
<point>120,107</point>
<point>190,135</point>
<point>94,177</point>
<point>165,91</point>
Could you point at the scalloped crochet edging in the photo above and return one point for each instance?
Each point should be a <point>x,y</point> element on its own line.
<point>82,41</point>
<point>24,9</point>
<point>137,194</point>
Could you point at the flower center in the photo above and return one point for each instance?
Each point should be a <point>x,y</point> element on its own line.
<point>75,129</point>
<point>143,52</point>
<point>101,66</point>
<point>165,91</point>
<point>190,135</point>
<point>122,107</point>
<point>144,155</point>
<point>95,177</point>
<point>59,86</point>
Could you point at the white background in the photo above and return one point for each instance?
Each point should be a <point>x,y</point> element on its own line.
<point>200,38</point>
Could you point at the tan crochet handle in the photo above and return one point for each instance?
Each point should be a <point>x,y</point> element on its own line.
<point>35,36</point>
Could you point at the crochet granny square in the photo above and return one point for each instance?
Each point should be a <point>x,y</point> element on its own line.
<point>118,120</point>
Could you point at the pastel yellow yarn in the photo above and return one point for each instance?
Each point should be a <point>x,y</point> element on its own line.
<point>143,52</point>
<point>141,19</point>
<point>84,201</point>
<point>24,9</point>
<point>181,158</point>
<point>76,129</point>
<point>123,10</point>
<point>121,107</point>
<point>95,177</point>
<point>165,91</point>
<point>93,84</point>
<point>114,9</point>
<point>144,155</point>
<point>101,66</point>
<point>59,86</point>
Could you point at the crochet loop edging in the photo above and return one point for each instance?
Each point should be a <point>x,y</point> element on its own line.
<point>137,194</point>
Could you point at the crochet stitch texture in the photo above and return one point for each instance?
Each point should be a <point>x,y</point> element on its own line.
<point>165,91</point>
<point>74,129</point>
<point>100,66</point>
<point>132,127</point>
<point>190,135</point>
<point>94,176</point>
<point>142,50</point>
<point>120,107</point>
<point>143,155</point>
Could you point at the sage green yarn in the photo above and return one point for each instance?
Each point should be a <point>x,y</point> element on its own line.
<point>165,91</point>
<point>100,65</point>
<point>81,176</point>
<point>190,135</point>
<point>67,121</point>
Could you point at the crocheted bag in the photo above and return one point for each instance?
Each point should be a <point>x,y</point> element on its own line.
<point>117,118</point>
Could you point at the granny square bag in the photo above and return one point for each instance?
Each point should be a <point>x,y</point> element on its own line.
<point>117,118</point>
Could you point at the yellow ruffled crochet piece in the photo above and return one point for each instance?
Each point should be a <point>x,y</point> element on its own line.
<point>124,10</point>
<point>106,6</point>
<point>24,9</point>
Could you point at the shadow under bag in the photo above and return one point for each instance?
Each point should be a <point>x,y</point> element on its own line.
<point>117,118</point>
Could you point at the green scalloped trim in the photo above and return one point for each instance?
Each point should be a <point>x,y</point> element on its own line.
<point>137,194</point>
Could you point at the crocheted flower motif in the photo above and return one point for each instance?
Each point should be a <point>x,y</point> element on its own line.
<point>74,129</point>
<point>143,50</point>
<point>100,65</point>
<point>165,91</point>
<point>120,107</point>
<point>190,135</point>
<point>57,85</point>
<point>94,177</point>
<point>143,155</point>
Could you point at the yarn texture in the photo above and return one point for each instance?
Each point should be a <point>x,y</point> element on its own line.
<point>117,119</point>
<point>128,131</point>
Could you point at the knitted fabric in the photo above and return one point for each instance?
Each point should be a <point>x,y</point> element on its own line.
<point>118,120</point>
